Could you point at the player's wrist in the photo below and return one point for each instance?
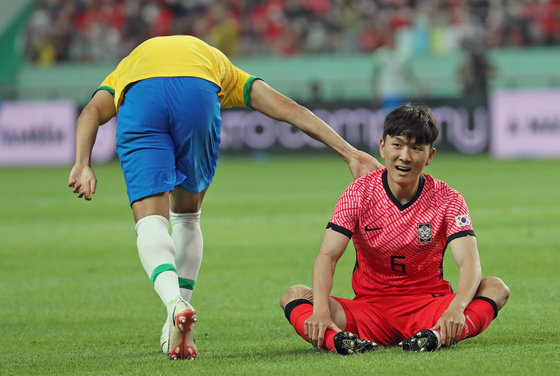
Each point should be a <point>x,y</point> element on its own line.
<point>458,305</point>
<point>320,309</point>
<point>82,160</point>
<point>82,164</point>
<point>349,154</point>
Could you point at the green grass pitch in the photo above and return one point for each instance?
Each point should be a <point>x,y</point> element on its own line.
<point>74,299</point>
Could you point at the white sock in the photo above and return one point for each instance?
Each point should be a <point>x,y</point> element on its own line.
<point>156,252</point>
<point>187,238</point>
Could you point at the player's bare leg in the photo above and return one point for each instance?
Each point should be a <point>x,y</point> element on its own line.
<point>494,288</point>
<point>157,204</point>
<point>186,202</point>
<point>303,292</point>
<point>297,292</point>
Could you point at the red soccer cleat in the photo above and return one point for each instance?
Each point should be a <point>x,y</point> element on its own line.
<point>181,332</point>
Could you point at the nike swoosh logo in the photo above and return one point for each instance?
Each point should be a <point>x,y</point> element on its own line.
<point>372,228</point>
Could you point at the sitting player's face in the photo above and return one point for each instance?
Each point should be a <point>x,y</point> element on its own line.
<point>404,158</point>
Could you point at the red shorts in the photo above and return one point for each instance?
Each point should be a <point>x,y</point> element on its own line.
<point>388,320</point>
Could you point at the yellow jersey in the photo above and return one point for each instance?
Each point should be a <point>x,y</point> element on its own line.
<point>181,56</point>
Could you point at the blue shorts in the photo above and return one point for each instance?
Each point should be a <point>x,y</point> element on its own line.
<point>168,135</point>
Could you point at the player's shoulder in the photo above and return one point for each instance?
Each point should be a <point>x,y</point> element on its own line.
<point>365,186</point>
<point>439,190</point>
<point>369,180</point>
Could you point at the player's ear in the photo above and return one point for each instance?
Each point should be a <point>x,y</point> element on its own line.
<point>381,146</point>
<point>431,156</point>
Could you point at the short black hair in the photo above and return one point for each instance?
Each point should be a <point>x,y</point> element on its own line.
<point>416,123</point>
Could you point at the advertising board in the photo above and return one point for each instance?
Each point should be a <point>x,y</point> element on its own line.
<point>525,123</point>
<point>41,133</point>
<point>358,122</point>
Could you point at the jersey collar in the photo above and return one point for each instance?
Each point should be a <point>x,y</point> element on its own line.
<point>401,207</point>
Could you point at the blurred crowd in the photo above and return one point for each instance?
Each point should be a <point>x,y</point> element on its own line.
<point>107,30</point>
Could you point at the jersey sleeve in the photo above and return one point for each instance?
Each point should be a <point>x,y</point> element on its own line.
<point>345,215</point>
<point>237,88</point>
<point>109,83</point>
<point>457,217</point>
<point>235,82</point>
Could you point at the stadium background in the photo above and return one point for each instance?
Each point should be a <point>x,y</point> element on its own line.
<point>489,69</point>
<point>499,143</point>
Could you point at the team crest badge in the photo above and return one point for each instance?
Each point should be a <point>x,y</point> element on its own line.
<point>424,233</point>
<point>462,220</point>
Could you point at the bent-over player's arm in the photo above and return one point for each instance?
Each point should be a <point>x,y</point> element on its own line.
<point>452,321</point>
<point>279,107</point>
<point>331,249</point>
<point>98,111</point>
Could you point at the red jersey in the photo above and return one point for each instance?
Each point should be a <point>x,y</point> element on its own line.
<point>400,248</point>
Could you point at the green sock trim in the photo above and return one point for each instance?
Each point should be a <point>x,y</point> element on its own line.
<point>160,269</point>
<point>185,283</point>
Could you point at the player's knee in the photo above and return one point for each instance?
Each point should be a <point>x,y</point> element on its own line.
<point>295,292</point>
<point>495,289</point>
<point>186,202</point>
